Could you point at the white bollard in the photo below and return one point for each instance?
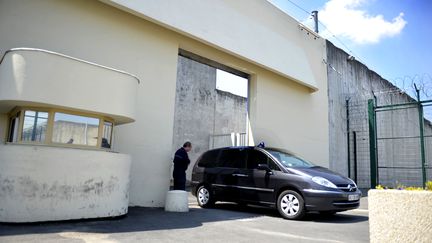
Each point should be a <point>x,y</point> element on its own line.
<point>177,201</point>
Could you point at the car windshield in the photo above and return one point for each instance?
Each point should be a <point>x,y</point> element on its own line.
<point>289,160</point>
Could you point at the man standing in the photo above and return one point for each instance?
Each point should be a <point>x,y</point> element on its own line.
<point>181,162</point>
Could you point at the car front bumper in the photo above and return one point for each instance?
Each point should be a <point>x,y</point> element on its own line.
<point>322,200</point>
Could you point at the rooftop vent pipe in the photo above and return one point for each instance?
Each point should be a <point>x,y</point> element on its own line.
<point>315,17</point>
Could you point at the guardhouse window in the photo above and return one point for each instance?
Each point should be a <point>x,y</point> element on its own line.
<point>14,122</point>
<point>107,135</point>
<point>35,126</point>
<point>74,129</point>
<point>59,128</point>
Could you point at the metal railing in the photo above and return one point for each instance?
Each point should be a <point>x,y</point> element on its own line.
<point>227,140</point>
<point>68,57</point>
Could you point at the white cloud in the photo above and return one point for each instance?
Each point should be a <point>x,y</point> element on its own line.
<point>346,18</point>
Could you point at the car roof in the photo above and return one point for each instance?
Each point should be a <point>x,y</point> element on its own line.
<point>232,147</point>
<point>251,147</point>
<point>279,149</point>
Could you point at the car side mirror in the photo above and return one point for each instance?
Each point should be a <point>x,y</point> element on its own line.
<point>265,167</point>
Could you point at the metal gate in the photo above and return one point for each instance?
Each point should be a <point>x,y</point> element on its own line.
<point>400,140</point>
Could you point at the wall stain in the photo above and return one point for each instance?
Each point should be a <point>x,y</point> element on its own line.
<point>25,186</point>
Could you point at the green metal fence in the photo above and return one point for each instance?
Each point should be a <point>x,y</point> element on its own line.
<point>400,141</point>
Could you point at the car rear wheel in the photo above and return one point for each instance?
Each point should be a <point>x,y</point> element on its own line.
<point>204,197</point>
<point>290,205</point>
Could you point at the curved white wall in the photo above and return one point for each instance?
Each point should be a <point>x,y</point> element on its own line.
<point>35,77</point>
<point>39,183</point>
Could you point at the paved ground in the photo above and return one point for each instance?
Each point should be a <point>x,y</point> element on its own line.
<point>225,223</point>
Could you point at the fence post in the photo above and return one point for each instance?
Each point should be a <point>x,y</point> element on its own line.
<point>233,139</point>
<point>422,142</point>
<point>348,138</point>
<point>372,143</point>
<point>355,155</point>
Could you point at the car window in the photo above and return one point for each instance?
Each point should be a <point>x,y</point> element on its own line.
<point>209,159</point>
<point>256,157</point>
<point>289,160</point>
<point>272,165</point>
<point>232,158</point>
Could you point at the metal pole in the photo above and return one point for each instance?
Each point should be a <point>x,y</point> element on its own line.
<point>315,17</point>
<point>85,133</point>
<point>372,143</point>
<point>422,142</point>
<point>348,138</point>
<point>33,136</point>
<point>355,155</point>
<point>376,139</point>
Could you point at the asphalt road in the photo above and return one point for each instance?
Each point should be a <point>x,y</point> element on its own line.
<point>224,223</point>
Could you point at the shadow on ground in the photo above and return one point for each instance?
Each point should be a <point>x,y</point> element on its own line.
<point>150,219</point>
<point>344,217</point>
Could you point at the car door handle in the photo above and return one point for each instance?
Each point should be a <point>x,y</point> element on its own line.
<point>239,175</point>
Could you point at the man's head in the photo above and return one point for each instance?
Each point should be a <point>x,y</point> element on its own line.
<point>187,146</point>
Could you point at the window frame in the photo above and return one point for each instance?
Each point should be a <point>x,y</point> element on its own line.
<point>14,114</point>
<point>50,127</point>
<point>21,127</point>
<point>270,159</point>
<point>111,134</point>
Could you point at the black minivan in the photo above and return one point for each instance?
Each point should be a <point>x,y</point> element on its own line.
<point>273,177</point>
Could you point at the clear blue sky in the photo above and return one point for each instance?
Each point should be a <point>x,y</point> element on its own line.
<point>392,37</point>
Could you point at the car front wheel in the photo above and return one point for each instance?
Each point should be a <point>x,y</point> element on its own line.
<point>204,197</point>
<point>290,205</point>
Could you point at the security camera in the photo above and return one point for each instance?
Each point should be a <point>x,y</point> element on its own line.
<point>351,58</point>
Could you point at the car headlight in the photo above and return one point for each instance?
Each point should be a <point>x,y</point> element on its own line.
<point>323,182</point>
<point>353,182</point>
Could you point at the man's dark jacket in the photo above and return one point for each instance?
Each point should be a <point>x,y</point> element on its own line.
<point>181,161</point>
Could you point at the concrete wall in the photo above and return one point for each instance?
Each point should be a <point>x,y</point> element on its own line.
<point>201,110</point>
<point>282,112</point>
<point>231,113</point>
<point>354,81</point>
<point>282,116</point>
<point>393,221</point>
<point>40,183</point>
<point>230,23</point>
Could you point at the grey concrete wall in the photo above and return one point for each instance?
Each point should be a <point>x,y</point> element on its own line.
<point>231,112</point>
<point>353,80</point>
<point>201,110</point>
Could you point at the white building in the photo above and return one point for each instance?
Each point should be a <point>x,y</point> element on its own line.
<point>73,72</point>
